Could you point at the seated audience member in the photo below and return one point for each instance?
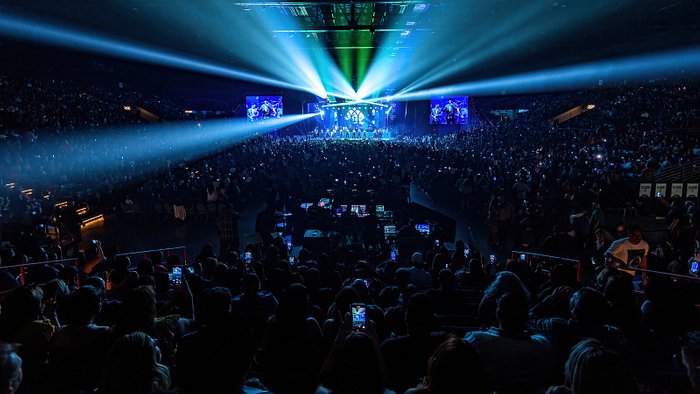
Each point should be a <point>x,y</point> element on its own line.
<point>454,368</point>
<point>254,305</point>
<point>505,282</point>
<point>514,359</point>
<point>132,365</point>
<point>22,322</point>
<point>589,313</point>
<point>406,356</point>
<point>419,276</point>
<point>446,299</point>
<point>10,369</point>
<point>217,356</point>
<point>595,369</point>
<point>292,349</point>
<point>78,348</point>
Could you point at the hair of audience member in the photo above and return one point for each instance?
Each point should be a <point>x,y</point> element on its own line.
<point>439,261</point>
<point>419,315</point>
<point>215,306</point>
<point>476,270</point>
<point>589,307</point>
<point>594,369</point>
<point>512,313</point>
<point>355,367</point>
<point>96,282</point>
<point>137,311</point>
<point>251,284</point>
<point>417,259</point>
<point>292,312</point>
<point>82,305</point>
<point>171,262</point>
<point>55,289</point>
<point>446,278</point>
<point>20,307</point>
<point>455,368</point>
<point>122,263</point>
<point>68,274</point>
<point>156,257</point>
<point>132,366</point>
<point>402,278</point>
<point>343,300</point>
<point>145,267</point>
<point>620,290</point>
<point>10,369</point>
<point>505,282</point>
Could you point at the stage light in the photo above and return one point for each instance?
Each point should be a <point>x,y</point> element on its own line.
<point>590,106</point>
<point>321,112</point>
<point>153,147</point>
<point>66,37</point>
<point>665,64</point>
<point>435,51</point>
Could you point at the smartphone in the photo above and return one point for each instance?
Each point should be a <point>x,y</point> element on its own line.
<point>447,266</point>
<point>437,242</point>
<point>694,267</point>
<point>393,255</point>
<point>522,257</point>
<point>176,276</point>
<point>289,246</point>
<point>292,261</point>
<point>466,253</point>
<point>366,283</point>
<point>248,257</point>
<point>190,269</point>
<point>359,320</point>
<point>492,259</point>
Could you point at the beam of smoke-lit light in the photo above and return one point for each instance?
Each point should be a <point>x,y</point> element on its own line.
<point>148,149</point>
<point>75,39</point>
<point>635,68</point>
<point>437,50</point>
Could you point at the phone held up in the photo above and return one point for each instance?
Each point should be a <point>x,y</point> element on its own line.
<point>359,320</point>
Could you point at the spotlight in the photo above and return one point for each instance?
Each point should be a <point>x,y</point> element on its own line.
<point>321,112</point>
<point>590,106</point>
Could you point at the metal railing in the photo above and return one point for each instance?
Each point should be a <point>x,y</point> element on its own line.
<point>74,261</point>
<point>515,254</point>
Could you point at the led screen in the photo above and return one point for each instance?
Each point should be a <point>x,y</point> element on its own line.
<point>259,108</point>
<point>449,110</point>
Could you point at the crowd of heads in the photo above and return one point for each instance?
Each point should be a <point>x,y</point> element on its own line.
<point>439,318</point>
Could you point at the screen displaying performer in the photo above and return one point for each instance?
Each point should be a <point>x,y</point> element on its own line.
<point>259,108</point>
<point>449,110</point>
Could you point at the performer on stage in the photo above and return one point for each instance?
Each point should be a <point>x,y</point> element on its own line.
<point>435,114</point>
<point>268,110</point>
<point>451,111</point>
<point>252,113</point>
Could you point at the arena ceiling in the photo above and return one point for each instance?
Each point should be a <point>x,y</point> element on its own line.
<point>540,34</point>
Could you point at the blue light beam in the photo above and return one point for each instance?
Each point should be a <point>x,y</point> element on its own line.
<point>122,151</point>
<point>666,64</point>
<point>64,37</point>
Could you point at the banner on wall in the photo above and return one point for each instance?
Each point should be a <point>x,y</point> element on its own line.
<point>660,190</point>
<point>645,190</point>
<point>691,190</point>
<point>676,190</point>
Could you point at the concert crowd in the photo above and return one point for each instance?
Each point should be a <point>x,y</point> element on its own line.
<point>277,314</point>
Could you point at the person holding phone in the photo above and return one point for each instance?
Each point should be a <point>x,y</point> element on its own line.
<point>355,363</point>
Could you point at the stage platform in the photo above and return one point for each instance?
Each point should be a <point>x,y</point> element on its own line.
<point>310,137</point>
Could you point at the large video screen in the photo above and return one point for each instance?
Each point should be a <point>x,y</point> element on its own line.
<point>259,108</point>
<point>449,110</point>
<point>361,116</point>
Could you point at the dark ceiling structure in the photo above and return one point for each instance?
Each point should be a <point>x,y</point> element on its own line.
<point>355,33</point>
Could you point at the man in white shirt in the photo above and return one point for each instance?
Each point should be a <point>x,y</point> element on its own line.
<point>630,252</point>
